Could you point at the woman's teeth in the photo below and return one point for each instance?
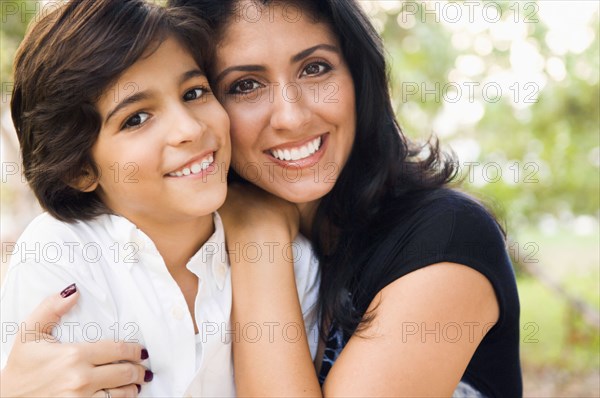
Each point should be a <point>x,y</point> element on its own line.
<point>194,168</point>
<point>298,153</point>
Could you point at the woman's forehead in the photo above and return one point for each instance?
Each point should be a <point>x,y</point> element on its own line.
<point>243,37</point>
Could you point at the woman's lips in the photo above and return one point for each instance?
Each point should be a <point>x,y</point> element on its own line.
<point>301,155</point>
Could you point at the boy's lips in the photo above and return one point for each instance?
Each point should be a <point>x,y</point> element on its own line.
<point>196,165</point>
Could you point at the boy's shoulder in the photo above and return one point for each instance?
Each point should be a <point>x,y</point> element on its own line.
<point>45,229</point>
<point>48,240</point>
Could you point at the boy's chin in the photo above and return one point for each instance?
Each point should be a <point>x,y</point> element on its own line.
<point>213,201</point>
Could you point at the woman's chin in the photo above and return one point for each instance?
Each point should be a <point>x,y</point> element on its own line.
<point>300,193</point>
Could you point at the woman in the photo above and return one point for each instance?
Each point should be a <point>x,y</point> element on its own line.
<point>417,289</point>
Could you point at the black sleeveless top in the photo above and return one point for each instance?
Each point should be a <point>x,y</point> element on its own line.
<point>445,226</point>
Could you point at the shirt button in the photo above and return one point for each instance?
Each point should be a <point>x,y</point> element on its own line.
<point>177,313</point>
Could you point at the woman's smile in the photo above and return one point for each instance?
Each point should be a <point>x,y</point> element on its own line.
<point>302,154</point>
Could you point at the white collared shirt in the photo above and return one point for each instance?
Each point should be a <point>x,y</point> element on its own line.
<point>127,293</point>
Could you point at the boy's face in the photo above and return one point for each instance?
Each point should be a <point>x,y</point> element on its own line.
<point>163,148</point>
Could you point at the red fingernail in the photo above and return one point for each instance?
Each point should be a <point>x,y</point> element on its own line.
<point>148,376</point>
<point>139,388</point>
<point>145,353</point>
<point>69,290</point>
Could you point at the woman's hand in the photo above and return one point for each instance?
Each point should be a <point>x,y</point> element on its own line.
<point>39,366</point>
<point>250,212</point>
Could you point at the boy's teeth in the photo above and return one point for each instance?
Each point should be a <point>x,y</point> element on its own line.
<point>194,168</point>
<point>298,153</point>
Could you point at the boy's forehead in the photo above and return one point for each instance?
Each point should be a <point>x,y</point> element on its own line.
<point>165,64</point>
<point>164,51</point>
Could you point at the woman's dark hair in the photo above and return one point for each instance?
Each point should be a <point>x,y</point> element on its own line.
<point>68,58</point>
<point>383,166</point>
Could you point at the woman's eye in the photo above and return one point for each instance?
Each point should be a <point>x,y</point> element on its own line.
<point>194,94</point>
<point>136,120</point>
<point>244,86</point>
<point>316,68</point>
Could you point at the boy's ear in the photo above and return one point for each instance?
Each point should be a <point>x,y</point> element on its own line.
<point>87,181</point>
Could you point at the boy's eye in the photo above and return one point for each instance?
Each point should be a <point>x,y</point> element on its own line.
<point>244,86</point>
<point>194,94</point>
<point>316,68</point>
<point>136,120</point>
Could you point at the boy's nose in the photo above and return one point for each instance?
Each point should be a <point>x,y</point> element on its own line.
<point>185,126</point>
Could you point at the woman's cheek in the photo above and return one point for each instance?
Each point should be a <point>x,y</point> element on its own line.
<point>241,154</point>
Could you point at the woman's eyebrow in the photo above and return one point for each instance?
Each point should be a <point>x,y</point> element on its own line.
<point>239,68</point>
<point>305,53</point>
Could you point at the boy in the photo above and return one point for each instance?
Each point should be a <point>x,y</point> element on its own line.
<point>124,146</point>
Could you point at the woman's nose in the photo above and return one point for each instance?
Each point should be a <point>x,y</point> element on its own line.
<point>289,110</point>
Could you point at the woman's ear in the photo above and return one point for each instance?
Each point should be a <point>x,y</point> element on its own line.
<point>87,181</point>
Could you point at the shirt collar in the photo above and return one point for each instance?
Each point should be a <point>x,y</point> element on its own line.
<point>131,241</point>
<point>214,254</point>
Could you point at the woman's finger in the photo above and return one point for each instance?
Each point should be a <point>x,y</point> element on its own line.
<point>107,351</point>
<point>48,313</point>
<point>119,374</point>
<point>120,392</point>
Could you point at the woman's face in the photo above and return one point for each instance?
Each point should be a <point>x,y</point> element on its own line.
<point>290,98</point>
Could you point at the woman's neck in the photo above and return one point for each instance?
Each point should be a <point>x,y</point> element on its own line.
<point>307,216</point>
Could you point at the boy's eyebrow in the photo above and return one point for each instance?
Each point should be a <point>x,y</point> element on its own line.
<point>295,58</point>
<point>137,97</point>
<point>191,74</point>
<point>143,95</point>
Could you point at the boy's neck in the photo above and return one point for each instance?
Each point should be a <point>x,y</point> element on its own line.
<point>177,242</point>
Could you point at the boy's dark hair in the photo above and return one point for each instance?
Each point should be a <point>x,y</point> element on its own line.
<point>68,58</point>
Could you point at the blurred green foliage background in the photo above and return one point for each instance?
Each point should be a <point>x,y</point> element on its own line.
<point>512,88</point>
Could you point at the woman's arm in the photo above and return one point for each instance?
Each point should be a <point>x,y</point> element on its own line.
<point>39,366</point>
<point>426,328</point>
<point>272,357</point>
